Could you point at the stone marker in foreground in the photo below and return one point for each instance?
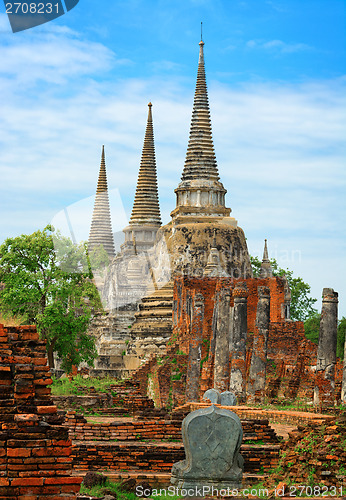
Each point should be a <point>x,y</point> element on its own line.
<point>212,438</point>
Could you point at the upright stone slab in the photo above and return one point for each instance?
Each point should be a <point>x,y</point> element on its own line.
<point>212,395</point>
<point>257,375</point>
<point>195,351</point>
<point>238,341</point>
<point>324,392</point>
<point>228,399</point>
<point>212,438</point>
<point>221,363</point>
<point>35,450</point>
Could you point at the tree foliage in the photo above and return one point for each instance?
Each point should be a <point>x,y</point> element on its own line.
<point>312,331</point>
<point>98,260</point>
<point>47,282</point>
<point>312,328</point>
<point>340,349</point>
<point>301,302</point>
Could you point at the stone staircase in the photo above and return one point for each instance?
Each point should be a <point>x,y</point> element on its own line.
<point>153,324</point>
<point>112,334</point>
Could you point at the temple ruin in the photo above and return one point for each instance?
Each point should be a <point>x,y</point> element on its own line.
<point>187,292</point>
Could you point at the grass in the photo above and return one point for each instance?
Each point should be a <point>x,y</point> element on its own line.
<point>253,441</point>
<point>12,320</point>
<point>77,386</point>
<point>99,491</point>
<point>297,405</point>
<point>110,486</point>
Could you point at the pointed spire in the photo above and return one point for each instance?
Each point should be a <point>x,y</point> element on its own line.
<point>101,226</point>
<point>200,162</point>
<point>265,252</point>
<point>266,270</point>
<point>200,193</point>
<point>146,209</point>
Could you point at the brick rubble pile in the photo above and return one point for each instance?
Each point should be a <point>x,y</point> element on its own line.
<point>35,451</point>
<point>314,454</point>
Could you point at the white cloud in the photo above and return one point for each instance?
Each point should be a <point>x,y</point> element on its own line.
<point>278,45</point>
<point>280,147</point>
<point>53,56</point>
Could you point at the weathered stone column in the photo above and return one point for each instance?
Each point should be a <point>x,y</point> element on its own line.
<point>324,391</point>
<point>221,364</point>
<point>238,342</point>
<point>194,360</point>
<point>343,387</point>
<point>257,375</point>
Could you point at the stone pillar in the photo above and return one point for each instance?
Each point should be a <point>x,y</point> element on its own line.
<point>324,392</point>
<point>238,342</point>
<point>194,360</point>
<point>221,364</point>
<point>257,374</point>
<point>343,387</point>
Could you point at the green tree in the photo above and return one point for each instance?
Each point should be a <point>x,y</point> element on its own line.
<point>98,260</point>
<point>312,328</point>
<point>341,338</point>
<point>301,302</point>
<point>47,282</point>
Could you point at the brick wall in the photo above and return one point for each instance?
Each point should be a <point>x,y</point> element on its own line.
<point>292,357</point>
<point>149,429</point>
<point>155,444</point>
<point>185,288</point>
<point>35,456</point>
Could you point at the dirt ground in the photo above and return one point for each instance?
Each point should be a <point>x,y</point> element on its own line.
<point>283,429</point>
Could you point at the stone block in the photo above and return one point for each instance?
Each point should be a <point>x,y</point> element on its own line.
<point>228,398</point>
<point>212,395</point>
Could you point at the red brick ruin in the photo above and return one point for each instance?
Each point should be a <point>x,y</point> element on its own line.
<point>35,450</point>
<point>266,345</point>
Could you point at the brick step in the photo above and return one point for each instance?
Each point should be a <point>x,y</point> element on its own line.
<point>163,479</point>
<point>154,429</point>
<point>157,456</point>
<point>258,414</point>
<point>156,303</point>
<point>158,296</point>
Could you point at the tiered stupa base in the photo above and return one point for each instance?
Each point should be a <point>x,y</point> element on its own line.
<point>153,324</point>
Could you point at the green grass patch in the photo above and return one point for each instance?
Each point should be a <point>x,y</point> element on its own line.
<point>79,385</point>
<point>111,487</point>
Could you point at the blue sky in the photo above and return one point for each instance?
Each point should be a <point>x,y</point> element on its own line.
<point>276,78</point>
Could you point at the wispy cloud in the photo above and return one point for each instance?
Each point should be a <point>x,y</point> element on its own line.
<point>280,147</point>
<point>54,56</point>
<point>278,46</point>
<point>277,6</point>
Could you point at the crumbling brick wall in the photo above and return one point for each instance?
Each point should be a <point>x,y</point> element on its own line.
<point>35,457</point>
<point>185,290</point>
<point>164,378</point>
<point>292,356</point>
